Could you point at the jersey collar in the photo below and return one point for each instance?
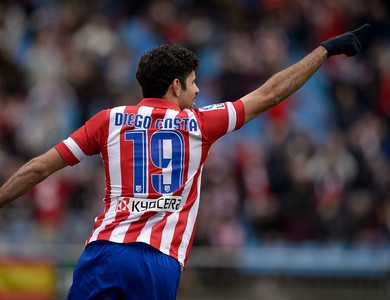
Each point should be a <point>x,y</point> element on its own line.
<point>159,103</point>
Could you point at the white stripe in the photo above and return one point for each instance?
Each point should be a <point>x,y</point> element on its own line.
<point>74,148</point>
<point>232,116</point>
<point>147,230</point>
<point>145,111</point>
<point>119,233</point>
<point>195,153</point>
<point>190,221</point>
<point>167,154</point>
<point>114,158</point>
<point>169,228</point>
<point>114,154</point>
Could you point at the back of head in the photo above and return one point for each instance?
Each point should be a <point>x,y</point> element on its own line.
<point>160,66</point>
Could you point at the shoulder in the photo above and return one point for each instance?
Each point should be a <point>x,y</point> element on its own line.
<point>228,109</point>
<point>106,114</point>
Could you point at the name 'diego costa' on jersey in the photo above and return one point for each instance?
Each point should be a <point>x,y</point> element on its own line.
<point>145,122</point>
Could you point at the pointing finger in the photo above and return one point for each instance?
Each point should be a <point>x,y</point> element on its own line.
<point>361,29</point>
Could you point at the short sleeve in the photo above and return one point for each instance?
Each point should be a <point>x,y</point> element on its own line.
<point>85,141</point>
<point>219,119</point>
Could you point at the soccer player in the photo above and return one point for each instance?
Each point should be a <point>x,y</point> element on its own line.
<point>153,154</point>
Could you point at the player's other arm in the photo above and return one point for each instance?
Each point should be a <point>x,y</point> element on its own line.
<point>286,82</point>
<point>30,174</point>
<point>282,84</point>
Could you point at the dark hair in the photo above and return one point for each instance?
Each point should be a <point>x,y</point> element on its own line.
<point>160,66</point>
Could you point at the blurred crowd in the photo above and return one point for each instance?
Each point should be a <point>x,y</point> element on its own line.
<point>316,168</point>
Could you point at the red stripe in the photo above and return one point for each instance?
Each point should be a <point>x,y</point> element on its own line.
<point>186,155</point>
<point>100,218</point>
<point>192,195</point>
<point>66,154</point>
<point>127,159</point>
<point>105,234</point>
<point>189,246</point>
<point>158,229</point>
<point>183,218</point>
<point>126,176</point>
<point>240,113</point>
<point>157,113</point>
<point>104,153</point>
<point>135,228</point>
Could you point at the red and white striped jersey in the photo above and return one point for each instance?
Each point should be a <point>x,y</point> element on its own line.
<point>153,155</point>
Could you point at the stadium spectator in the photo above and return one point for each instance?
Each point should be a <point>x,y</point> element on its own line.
<point>351,95</point>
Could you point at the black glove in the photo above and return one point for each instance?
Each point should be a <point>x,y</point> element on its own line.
<point>346,43</point>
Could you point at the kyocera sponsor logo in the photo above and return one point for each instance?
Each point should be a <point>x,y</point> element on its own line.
<point>164,204</point>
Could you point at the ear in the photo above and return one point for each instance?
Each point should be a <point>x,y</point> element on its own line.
<point>176,87</point>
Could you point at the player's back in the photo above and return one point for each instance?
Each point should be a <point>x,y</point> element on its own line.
<point>153,155</point>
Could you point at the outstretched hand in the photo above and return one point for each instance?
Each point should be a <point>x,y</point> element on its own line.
<point>347,43</point>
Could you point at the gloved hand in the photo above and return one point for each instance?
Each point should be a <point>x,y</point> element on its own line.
<point>347,43</point>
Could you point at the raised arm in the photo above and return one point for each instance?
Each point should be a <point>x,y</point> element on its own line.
<point>286,82</point>
<point>30,174</point>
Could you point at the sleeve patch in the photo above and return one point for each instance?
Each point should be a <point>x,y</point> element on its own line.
<point>213,107</point>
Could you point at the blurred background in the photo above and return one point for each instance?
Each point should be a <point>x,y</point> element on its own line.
<point>295,205</point>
